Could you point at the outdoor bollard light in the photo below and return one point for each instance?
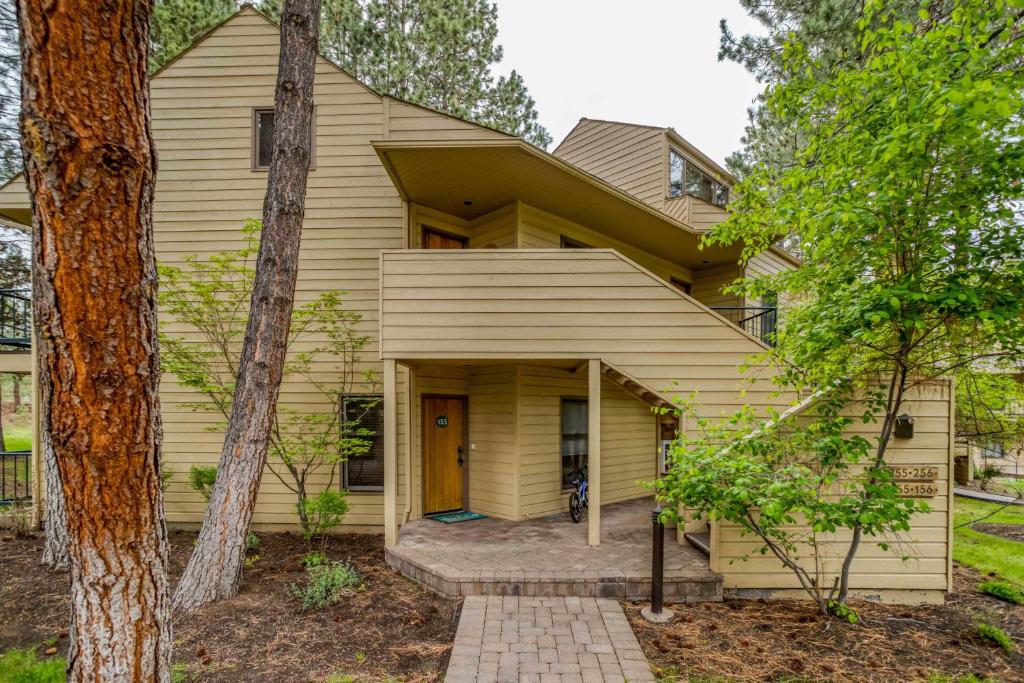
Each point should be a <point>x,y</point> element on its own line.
<point>656,611</point>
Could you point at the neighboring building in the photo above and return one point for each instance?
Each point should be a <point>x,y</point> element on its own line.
<point>507,291</point>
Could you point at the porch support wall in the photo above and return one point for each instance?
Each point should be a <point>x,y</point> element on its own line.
<point>594,450</point>
<point>390,452</point>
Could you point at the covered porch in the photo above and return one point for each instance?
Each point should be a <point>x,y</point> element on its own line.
<point>549,556</point>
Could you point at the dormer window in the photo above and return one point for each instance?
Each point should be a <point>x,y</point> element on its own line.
<point>686,178</point>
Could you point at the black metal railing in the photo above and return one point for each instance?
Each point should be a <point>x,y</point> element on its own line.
<point>15,477</point>
<point>757,321</point>
<point>15,318</point>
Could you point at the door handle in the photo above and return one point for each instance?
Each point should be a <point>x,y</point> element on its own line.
<point>460,456</point>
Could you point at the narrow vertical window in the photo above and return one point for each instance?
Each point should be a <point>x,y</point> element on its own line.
<point>262,138</point>
<point>574,438</point>
<point>362,442</point>
<point>675,174</point>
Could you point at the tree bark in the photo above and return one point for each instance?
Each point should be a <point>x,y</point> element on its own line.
<point>3,440</point>
<point>215,568</point>
<point>90,165</point>
<point>16,392</point>
<point>55,516</point>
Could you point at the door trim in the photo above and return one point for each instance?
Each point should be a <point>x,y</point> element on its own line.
<point>466,460</point>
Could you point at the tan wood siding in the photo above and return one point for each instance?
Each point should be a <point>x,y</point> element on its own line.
<point>409,122</point>
<point>926,545</point>
<point>492,437</point>
<point>628,446</point>
<point>202,117</point>
<point>543,230</point>
<point>767,263</point>
<point>708,284</point>
<point>630,157</point>
<point>564,304</point>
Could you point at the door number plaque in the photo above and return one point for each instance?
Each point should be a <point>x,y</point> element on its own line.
<point>916,481</point>
<point>441,421</point>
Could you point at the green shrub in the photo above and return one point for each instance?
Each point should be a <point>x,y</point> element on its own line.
<point>252,542</point>
<point>22,666</point>
<point>1003,591</point>
<point>323,513</point>
<point>327,584</point>
<point>166,474</point>
<point>996,635</point>
<point>986,474</point>
<point>201,480</point>
<point>313,559</point>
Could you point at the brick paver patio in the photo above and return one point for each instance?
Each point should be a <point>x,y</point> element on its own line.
<point>549,556</point>
<point>511,639</point>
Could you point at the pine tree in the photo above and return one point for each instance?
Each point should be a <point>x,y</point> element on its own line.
<point>828,28</point>
<point>10,96</point>
<point>437,53</point>
<point>178,23</point>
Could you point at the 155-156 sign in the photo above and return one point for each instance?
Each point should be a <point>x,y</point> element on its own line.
<point>916,481</point>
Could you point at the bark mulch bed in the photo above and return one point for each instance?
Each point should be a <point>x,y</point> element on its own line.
<point>757,640</point>
<point>389,629</point>
<point>1013,532</point>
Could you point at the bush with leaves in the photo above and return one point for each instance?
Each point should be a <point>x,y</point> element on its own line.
<point>904,202</point>
<point>323,512</point>
<point>201,479</point>
<point>327,584</point>
<point>211,296</point>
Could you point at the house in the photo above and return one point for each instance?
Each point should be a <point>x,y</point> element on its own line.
<point>527,309</point>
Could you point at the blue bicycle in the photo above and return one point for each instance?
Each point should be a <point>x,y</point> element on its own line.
<point>578,499</point>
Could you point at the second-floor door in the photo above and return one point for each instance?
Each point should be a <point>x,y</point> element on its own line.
<point>435,239</point>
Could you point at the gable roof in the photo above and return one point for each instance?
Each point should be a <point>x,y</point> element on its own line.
<point>675,138</point>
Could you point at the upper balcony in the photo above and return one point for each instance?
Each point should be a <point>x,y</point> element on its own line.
<point>15,318</point>
<point>557,304</point>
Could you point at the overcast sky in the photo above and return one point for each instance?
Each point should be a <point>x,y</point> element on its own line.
<point>643,61</point>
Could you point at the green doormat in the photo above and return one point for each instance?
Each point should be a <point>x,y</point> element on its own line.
<point>453,517</point>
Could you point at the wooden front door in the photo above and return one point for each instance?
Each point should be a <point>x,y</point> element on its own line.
<point>434,239</point>
<point>444,453</point>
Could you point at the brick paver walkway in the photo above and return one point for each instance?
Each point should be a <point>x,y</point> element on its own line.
<point>511,639</point>
<point>549,556</point>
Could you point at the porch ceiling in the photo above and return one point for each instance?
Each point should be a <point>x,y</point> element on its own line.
<point>468,178</point>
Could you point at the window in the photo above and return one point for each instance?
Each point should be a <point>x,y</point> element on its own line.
<point>569,243</point>
<point>574,437</point>
<point>262,138</point>
<point>675,174</point>
<point>685,178</point>
<point>362,442</point>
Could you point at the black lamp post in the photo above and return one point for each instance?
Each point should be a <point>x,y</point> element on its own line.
<point>657,612</point>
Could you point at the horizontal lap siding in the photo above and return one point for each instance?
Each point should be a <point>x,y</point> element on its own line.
<point>632,158</point>
<point>543,230</point>
<point>492,435</point>
<point>409,122</point>
<point>206,190</point>
<point>926,545</point>
<point>628,444</point>
<point>569,304</point>
<point>708,285</point>
<point>202,123</point>
<point>767,263</point>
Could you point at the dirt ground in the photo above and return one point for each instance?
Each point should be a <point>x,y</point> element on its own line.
<point>389,629</point>
<point>1013,532</point>
<point>756,640</point>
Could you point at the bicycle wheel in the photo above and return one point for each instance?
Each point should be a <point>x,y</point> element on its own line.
<point>575,507</point>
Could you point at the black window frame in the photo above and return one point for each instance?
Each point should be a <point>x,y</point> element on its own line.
<point>376,448</point>
<point>584,458</point>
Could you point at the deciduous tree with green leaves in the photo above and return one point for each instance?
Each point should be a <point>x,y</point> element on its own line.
<point>438,53</point>
<point>211,296</point>
<point>905,202</point>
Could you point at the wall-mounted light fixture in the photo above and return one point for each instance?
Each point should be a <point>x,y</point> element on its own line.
<point>904,427</point>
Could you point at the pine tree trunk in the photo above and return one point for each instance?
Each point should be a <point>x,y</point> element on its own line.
<point>3,440</point>
<point>215,568</point>
<point>55,516</point>
<point>90,166</point>
<point>17,393</point>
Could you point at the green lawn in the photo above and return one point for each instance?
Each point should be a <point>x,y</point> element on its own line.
<point>985,552</point>
<point>18,437</point>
